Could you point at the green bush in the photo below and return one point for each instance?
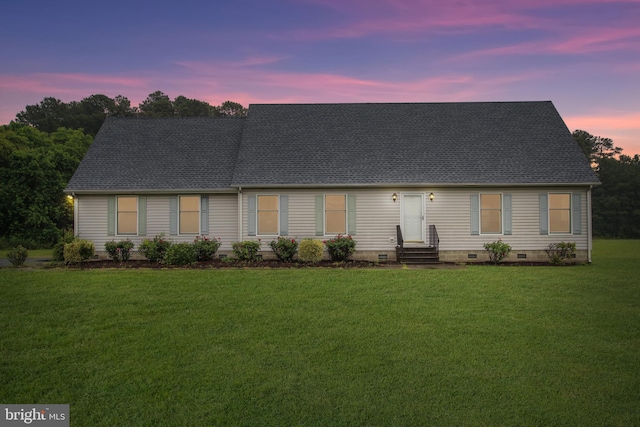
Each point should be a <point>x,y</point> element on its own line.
<point>205,248</point>
<point>58,248</point>
<point>340,248</point>
<point>78,251</point>
<point>246,250</point>
<point>558,252</point>
<point>155,249</point>
<point>310,250</point>
<point>498,251</point>
<point>284,248</point>
<point>18,255</point>
<point>120,251</point>
<point>181,254</point>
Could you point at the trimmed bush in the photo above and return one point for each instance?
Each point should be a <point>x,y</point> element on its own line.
<point>18,255</point>
<point>498,251</point>
<point>559,252</point>
<point>155,249</point>
<point>58,248</point>
<point>120,251</point>
<point>340,248</point>
<point>181,254</point>
<point>205,248</point>
<point>78,251</point>
<point>310,251</point>
<point>284,248</point>
<point>246,250</point>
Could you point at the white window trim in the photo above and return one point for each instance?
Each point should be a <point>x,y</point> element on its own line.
<point>258,215</point>
<point>560,233</point>
<point>137,216</point>
<point>324,214</point>
<point>180,233</point>
<point>501,233</point>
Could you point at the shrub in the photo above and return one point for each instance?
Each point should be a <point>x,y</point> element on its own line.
<point>78,251</point>
<point>558,252</point>
<point>205,248</point>
<point>18,255</point>
<point>284,248</point>
<point>498,251</point>
<point>340,248</point>
<point>155,249</point>
<point>310,250</point>
<point>58,248</point>
<point>246,250</point>
<point>120,251</point>
<point>181,254</point>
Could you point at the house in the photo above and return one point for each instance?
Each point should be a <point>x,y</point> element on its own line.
<point>439,177</point>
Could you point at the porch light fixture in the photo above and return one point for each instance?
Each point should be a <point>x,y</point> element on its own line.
<point>394,197</point>
<point>432,196</point>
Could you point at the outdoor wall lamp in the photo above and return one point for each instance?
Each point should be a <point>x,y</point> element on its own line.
<point>394,197</point>
<point>432,196</point>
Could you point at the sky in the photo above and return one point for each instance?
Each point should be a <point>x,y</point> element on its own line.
<point>583,55</point>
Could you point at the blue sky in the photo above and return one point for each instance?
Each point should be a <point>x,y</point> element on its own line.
<point>584,55</point>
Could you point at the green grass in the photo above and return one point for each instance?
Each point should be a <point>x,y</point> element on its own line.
<point>480,346</point>
<point>32,253</point>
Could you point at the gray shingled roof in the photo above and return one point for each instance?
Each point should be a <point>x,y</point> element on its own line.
<point>337,144</point>
<point>175,153</point>
<point>413,143</point>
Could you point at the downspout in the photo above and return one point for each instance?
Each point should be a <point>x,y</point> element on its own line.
<point>239,214</point>
<point>589,226</point>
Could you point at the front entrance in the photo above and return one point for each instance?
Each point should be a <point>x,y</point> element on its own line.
<point>413,229</point>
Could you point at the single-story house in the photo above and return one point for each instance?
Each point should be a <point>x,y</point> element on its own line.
<point>398,177</point>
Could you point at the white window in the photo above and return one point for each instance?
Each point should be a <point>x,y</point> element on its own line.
<point>127,215</point>
<point>335,214</point>
<point>490,213</point>
<point>560,213</point>
<point>268,214</point>
<point>189,214</point>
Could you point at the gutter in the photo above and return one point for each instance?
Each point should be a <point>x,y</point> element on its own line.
<point>589,226</point>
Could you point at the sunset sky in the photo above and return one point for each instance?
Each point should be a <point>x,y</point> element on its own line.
<point>584,55</point>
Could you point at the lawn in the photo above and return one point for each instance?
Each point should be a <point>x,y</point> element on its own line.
<point>479,346</point>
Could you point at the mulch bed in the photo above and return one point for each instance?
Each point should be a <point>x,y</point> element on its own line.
<point>220,264</point>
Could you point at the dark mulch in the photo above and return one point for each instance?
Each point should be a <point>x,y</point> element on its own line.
<point>218,264</point>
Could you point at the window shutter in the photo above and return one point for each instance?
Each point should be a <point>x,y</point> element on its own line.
<point>351,214</point>
<point>204,214</point>
<point>142,216</point>
<point>576,213</point>
<point>284,215</point>
<point>252,217</point>
<point>173,215</point>
<point>544,214</point>
<point>319,215</point>
<point>475,214</point>
<point>111,216</point>
<point>506,206</point>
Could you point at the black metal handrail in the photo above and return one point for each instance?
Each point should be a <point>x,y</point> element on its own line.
<point>400,245</point>
<point>434,240</point>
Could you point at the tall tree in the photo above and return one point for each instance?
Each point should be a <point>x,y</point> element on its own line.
<point>47,116</point>
<point>595,147</point>
<point>230,108</point>
<point>157,104</point>
<point>186,107</point>
<point>34,170</point>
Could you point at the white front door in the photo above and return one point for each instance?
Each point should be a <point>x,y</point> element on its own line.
<point>413,217</point>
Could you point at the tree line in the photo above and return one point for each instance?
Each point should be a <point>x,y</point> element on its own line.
<point>89,113</point>
<point>41,149</point>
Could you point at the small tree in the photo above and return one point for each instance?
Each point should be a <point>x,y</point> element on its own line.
<point>559,252</point>
<point>498,251</point>
<point>284,248</point>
